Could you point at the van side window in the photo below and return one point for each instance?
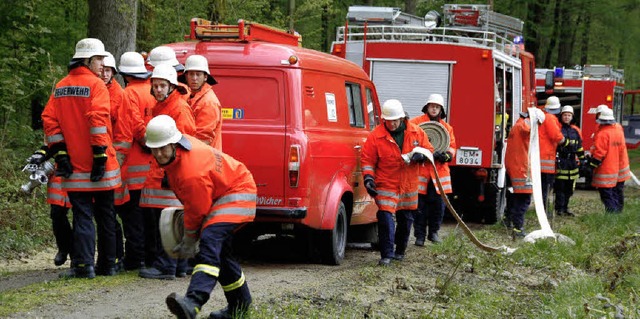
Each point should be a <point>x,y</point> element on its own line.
<point>354,98</point>
<point>374,118</point>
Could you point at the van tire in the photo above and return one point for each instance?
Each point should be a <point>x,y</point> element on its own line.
<point>334,241</point>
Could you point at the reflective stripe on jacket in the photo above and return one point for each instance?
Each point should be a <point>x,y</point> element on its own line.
<point>176,107</point>
<point>396,182</point>
<point>426,171</point>
<point>213,186</point>
<point>549,136</point>
<point>517,157</point>
<point>55,194</point>
<point>610,148</point>
<point>206,110</point>
<point>78,114</point>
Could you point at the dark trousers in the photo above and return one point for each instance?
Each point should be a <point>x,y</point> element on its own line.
<point>162,261</point>
<point>430,212</point>
<point>613,198</point>
<point>86,206</point>
<point>216,255</point>
<point>61,228</point>
<point>151,235</point>
<point>388,233</point>
<point>547,184</point>
<point>133,221</point>
<point>518,204</point>
<point>564,190</point>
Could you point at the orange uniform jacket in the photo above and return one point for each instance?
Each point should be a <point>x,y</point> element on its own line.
<point>426,171</point>
<point>610,148</point>
<point>78,114</point>
<point>549,136</point>
<point>214,187</point>
<point>55,194</point>
<point>396,182</point>
<point>116,98</point>
<point>153,195</point>
<point>129,132</point>
<point>517,157</point>
<point>205,107</point>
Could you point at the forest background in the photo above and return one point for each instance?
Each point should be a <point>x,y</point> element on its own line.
<point>37,37</point>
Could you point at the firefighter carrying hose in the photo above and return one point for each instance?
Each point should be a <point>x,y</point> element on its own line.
<point>569,159</point>
<point>219,195</point>
<point>392,182</point>
<point>550,138</point>
<point>430,205</point>
<point>76,125</point>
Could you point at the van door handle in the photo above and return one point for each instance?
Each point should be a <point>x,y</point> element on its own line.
<point>357,147</point>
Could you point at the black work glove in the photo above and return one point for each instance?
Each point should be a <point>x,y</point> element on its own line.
<point>99,162</point>
<point>63,161</point>
<point>442,157</point>
<point>165,181</point>
<point>418,158</point>
<point>370,185</point>
<point>38,157</point>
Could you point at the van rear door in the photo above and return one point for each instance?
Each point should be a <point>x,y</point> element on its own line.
<point>253,126</point>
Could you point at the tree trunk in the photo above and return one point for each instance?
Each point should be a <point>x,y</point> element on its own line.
<point>566,34</point>
<point>217,10</point>
<point>586,13</point>
<point>410,6</point>
<point>114,22</point>
<point>532,27</point>
<point>326,41</point>
<point>554,35</point>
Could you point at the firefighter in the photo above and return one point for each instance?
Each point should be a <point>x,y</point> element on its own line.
<point>156,192</point>
<point>610,162</point>
<point>165,55</point>
<point>568,161</point>
<point>77,126</point>
<point>59,207</point>
<point>430,204</point>
<point>392,182</point>
<point>219,195</point>
<point>121,194</point>
<point>203,101</point>
<point>134,160</point>
<point>518,173</point>
<point>550,138</point>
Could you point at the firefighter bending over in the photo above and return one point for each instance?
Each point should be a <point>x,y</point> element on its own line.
<point>430,205</point>
<point>219,195</point>
<point>610,162</point>
<point>568,161</point>
<point>390,181</point>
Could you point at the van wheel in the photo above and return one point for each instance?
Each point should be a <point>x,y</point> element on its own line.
<point>335,240</point>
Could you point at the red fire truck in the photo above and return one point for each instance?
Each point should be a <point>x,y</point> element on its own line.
<point>583,88</point>
<point>631,118</point>
<point>485,77</point>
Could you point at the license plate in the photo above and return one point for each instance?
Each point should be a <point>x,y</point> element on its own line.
<point>469,157</point>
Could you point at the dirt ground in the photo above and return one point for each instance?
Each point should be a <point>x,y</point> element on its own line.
<point>273,270</point>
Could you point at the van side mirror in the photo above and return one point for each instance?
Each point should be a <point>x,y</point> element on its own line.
<point>549,82</point>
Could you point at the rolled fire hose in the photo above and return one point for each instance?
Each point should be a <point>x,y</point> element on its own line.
<point>438,135</point>
<point>172,229</point>
<point>461,223</point>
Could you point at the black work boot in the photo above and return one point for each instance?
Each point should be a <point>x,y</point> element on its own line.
<point>238,301</point>
<point>79,272</point>
<point>433,237</point>
<point>182,307</point>
<point>60,258</point>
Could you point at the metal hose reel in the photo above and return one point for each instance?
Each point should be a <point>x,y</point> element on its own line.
<point>438,135</point>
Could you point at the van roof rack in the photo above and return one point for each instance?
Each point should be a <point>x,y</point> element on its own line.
<point>202,29</point>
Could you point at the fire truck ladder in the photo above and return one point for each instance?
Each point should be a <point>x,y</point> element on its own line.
<point>470,25</point>
<point>202,29</point>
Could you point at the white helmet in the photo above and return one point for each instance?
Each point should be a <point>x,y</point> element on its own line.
<point>162,131</point>
<point>567,109</point>
<point>89,47</point>
<point>599,109</point>
<point>197,63</point>
<point>132,62</point>
<point>436,99</point>
<point>392,110</point>
<point>553,105</point>
<point>162,55</point>
<point>166,72</point>
<point>110,61</point>
<point>606,117</point>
